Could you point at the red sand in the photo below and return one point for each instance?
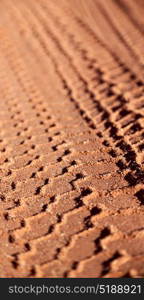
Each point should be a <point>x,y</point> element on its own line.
<point>72,138</point>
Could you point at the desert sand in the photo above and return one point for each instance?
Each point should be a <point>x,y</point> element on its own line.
<point>71,138</point>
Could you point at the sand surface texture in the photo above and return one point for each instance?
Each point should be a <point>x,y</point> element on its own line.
<point>71,138</point>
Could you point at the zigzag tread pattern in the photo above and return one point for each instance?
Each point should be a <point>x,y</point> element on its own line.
<point>71,139</point>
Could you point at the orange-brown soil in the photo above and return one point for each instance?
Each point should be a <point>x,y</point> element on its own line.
<point>71,138</point>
